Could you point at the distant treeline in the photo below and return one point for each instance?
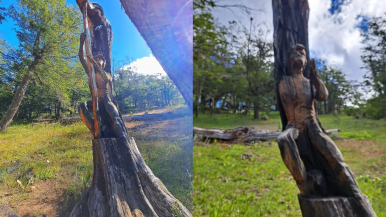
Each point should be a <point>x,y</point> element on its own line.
<point>233,70</point>
<point>134,92</point>
<point>138,92</point>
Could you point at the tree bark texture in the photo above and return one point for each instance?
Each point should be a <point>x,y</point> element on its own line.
<point>312,158</point>
<point>167,28</point>
<point>256,110</point>
<point>19,95</point>
<point>290,21</point>
<point>123,185</point>
<point>334,206</point>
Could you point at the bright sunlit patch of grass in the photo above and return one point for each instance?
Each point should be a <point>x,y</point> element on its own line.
<point>56,160</point>
<point>252,180</point>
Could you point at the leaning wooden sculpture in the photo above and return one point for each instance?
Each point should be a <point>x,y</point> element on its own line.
<point>327,185</point>
<point>123,185</point>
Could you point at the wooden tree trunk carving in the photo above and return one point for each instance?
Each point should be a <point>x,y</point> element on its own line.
<point>327,185</point>
<point>123,185</point>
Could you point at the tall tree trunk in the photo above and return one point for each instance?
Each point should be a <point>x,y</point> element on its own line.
<point>198,95</point>
<point>203,103</point>
<point>19,95</point>
<point>290,21</point>
<point>167,27</point>
<point>213,102</point>
<point>223,101</point>
<point>290,28</point>
<point>29,113</point>
<point>57,112</point>
<point>123,185</point>
<point>256,110</point>
<point>234,104</point>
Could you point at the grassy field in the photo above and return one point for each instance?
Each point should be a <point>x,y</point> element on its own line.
<point>45,168</point>
<point>252,180</point>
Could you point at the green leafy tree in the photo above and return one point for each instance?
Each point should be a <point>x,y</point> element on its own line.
<point>340,90</point>
<point>374,59</point>
<point>256,57</point>
<point>47,32</point>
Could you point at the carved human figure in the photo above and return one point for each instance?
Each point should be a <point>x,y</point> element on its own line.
<point>311,156</point>
<point>105,97</point>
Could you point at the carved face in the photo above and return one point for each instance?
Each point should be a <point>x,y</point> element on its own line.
<point>297,58</point>
<point>100,60</point>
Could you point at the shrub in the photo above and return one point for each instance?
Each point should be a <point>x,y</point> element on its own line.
<point>264,117</point>
<point>374,108</point>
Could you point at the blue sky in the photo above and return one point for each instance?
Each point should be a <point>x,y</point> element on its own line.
<point>127,40</point>
<point>334,28</point>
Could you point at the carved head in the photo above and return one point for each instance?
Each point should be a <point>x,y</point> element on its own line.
<point>100,60</point>
<point>296,58</point>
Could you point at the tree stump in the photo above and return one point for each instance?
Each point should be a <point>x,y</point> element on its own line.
<point>123,185</point>
<point>334,207</point>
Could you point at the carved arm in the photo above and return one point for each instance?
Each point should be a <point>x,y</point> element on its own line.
<point>81,54</point>
<point>321,92</point>
<point>105,76</point>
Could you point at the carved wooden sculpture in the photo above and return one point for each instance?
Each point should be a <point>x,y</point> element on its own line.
<point>327,185</point>
<point>123,185</point>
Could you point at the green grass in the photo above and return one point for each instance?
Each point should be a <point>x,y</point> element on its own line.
<point>226,121</point>
<point>351,127</point>
<point>169,162</point>
<point>258,184</point>
<point>226,184</point>
<point>57,160</point>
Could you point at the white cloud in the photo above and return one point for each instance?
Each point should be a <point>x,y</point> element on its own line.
<point>338,42</point>
<point>147,65</point>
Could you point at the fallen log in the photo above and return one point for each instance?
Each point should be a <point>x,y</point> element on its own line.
<point>240,134</point>
<point>157,116</point>
<point>69,120</point>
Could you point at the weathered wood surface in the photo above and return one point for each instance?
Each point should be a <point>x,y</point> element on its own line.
<point>167,27</point>
<point>123,185</point>
<point>312,158</point>
<point>334,207</point>
<point>240,134</point>
<point>290,21</point>
<point>5,211</point>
